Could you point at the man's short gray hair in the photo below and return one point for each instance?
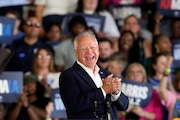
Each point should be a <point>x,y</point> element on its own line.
<point>82,35</point>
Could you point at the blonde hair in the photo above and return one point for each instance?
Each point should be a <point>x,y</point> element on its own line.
<point>35,68</point>
<point>142,70</point>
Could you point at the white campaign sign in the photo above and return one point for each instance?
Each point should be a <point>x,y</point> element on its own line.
<point>5,3</point>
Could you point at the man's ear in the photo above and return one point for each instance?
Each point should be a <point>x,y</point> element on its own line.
<point>75,52</point>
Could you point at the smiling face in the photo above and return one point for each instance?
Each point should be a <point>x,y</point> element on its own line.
<point>87,51</point>
<point>160,65</point>
<point>43,59</point>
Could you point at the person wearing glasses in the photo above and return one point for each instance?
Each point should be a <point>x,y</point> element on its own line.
<point>25,47</point>
<point>43,67</point>
<point>152,111</point>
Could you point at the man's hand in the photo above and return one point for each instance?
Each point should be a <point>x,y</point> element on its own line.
<point>111,84</point>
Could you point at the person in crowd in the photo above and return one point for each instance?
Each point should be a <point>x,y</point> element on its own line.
<point>96,7</point>
<point>17,33</point>
<point>43,67</point>
<point>175,29</point>
<point>31,104</point>
<point>95,94</point>
<point>105,52</point>
<point>25,47</point>
<point>117,65</point>
<point>47,11</point>
<point>162,44</point>
<point>125,44</point>
<point>153,110</point>
<point>64,55</point>
<point>141,50</point>
<point>53,35</point>
<point>159,62</point>
<point>170,99</point>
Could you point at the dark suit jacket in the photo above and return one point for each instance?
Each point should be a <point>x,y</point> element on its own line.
<point>78,93</point>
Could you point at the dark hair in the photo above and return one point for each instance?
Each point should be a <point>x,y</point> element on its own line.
<point>122,34</point>
<point>100,40</point>
<point>40,90</point>
<point>53,24</point>
<point>14,13</point>
<point>174,20</point>
<point>78,19</point>
<point>100,6</point>
<point>156,40</point>
<point>154,61</point>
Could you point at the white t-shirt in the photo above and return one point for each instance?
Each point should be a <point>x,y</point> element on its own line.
<point>58,7</point>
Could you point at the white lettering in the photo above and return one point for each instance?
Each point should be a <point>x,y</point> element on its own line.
<point>176,53</point>
<point>175,4</point>
<point>59,104</point>
<point>4,88</point>
<point>1,29</point>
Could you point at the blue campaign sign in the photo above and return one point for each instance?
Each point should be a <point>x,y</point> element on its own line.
<point>6,29</point>
<point>59,108</point>
<point>11,85</point>
<point>169,7</point>
<point>95,21</point>
<point>176,53</point>
<point>139,93</point>
<point>120,12</point>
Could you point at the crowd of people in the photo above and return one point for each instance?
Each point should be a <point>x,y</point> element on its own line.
<point>139,53</point>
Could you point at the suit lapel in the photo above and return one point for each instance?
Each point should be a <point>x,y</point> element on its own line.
<point>84,75</point>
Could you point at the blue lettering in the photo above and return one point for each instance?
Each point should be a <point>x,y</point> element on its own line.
<point>13,85</point>
<point>7,30</point>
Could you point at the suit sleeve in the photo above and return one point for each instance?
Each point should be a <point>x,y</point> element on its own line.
<point>75,99</point>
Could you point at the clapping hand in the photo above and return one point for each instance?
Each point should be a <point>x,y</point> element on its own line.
<point>111,85</point>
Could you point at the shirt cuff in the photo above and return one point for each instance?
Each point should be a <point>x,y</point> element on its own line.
<point>104,93</point>
<point>115,97</point>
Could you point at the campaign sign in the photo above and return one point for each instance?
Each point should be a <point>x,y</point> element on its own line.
<point>59,108</point>
<point>4,3</point>
<point>11,85</point>
<point>139,93</point>
<point>169,7</point>
<point>6,29</point>
<point>95,21</point>
<point>176,53</point>
<point>120,12</point>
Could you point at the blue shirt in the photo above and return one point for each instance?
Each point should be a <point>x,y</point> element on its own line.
<point>23,55</point>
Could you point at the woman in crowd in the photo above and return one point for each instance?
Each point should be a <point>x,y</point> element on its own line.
<point>53,35</point>
<point>43,67</point>
<point>152,111</point>
<point>171,99</point>
<point>161,44</point>
<point>95,7</point>
<point>32,102</point>
<point>159,63</point>
<point>125,44</point>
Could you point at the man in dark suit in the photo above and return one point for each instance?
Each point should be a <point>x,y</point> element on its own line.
<point>87,91</point>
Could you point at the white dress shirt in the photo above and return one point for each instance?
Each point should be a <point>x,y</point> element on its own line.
<point>97,80</point>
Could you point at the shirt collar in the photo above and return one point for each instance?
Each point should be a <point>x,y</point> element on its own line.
<point>88,69</point>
